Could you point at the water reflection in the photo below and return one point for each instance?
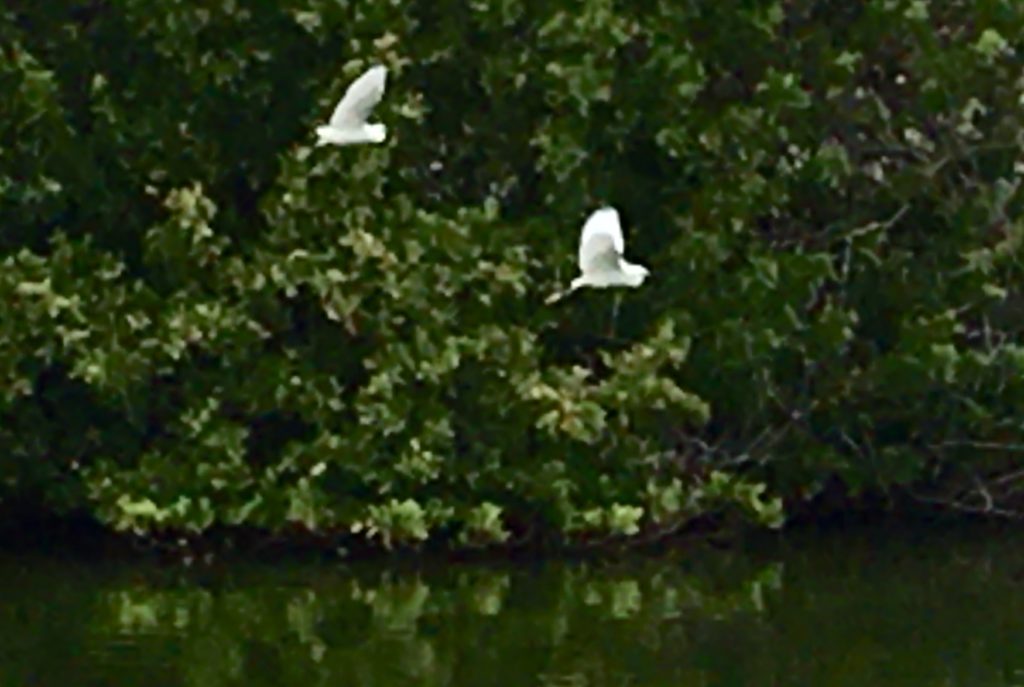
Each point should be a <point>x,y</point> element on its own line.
<point>881,610</point>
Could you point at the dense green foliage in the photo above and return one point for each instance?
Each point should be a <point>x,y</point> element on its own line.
<point>205,321</point>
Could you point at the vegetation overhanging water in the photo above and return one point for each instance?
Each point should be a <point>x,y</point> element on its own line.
<point>207,323</point>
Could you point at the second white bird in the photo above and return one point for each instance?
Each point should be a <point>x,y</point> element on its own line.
<point>348,124</point>
<point>601,257</point>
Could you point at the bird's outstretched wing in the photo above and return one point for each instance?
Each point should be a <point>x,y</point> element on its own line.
<point>361,97</point>
<point>601,244</point>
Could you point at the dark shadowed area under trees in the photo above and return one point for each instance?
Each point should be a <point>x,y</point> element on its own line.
<point>206,323</point>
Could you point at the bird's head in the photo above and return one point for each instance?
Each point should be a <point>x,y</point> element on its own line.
<point>324,135</point>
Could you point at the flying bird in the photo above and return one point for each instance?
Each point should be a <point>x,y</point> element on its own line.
<point>601,259</point>
<point>348,124</point>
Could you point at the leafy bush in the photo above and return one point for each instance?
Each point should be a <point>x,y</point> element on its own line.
<point>206,321</point>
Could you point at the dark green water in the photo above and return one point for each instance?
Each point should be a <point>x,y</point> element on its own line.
<point>868,607</point>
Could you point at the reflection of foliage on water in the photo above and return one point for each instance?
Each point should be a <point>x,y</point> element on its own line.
<point>882,611</point>
<point>394,627</point>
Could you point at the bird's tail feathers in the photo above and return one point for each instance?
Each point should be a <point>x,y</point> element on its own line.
<point>376,132</point>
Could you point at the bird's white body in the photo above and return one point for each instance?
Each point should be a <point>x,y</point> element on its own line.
<point>627,274</point>
<point>367,133</point>
<point>348,124</point>
<point>601,260</point>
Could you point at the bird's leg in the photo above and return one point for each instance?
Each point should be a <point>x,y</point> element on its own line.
<point>615,314</point>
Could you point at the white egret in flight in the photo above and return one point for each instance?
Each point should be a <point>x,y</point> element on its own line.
<point>601,257</point>
<point>348,124</point>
